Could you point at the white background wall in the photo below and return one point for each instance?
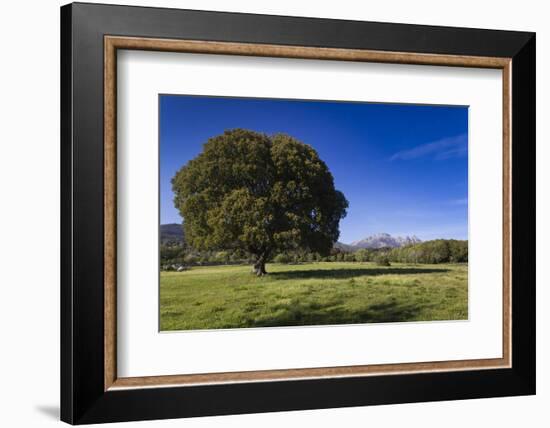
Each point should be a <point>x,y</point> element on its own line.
<point>29,215</point>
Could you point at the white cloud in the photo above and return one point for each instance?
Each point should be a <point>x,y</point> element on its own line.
<point>446,148</point>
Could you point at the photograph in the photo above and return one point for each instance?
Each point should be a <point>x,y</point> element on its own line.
<point>279,212</point>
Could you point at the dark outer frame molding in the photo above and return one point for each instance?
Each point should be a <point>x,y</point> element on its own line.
<point>83,399</point>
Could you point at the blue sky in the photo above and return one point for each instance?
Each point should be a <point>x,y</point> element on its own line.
<point>402,167</point>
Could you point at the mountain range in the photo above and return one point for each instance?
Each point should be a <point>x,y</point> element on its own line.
<point>173,233</point>
<point>385,240</point>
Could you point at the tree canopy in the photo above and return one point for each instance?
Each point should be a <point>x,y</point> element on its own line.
<point>259,193</point>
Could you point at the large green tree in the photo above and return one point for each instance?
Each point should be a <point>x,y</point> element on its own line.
<point>259,193</point>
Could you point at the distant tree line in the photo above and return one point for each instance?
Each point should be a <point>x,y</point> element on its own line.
<point>436,251</point>
<point>174,255</point>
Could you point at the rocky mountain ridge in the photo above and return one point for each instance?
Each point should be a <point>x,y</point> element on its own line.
<point>385,240</point>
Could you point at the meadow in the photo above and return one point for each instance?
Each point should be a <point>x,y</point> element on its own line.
<point>322,293</point>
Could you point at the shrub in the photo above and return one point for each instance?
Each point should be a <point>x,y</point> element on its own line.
<point>222,257</point>
<point>349,257</point>
<point>190,259</point>
<point>383,260</point>
<point>282,258</point>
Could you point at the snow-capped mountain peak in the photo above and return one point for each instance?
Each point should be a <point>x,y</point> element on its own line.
<point>381,240</point>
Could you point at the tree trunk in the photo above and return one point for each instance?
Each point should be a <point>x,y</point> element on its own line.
<point>259,266</point>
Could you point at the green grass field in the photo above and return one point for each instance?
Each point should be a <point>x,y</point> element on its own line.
<point>312,294</point>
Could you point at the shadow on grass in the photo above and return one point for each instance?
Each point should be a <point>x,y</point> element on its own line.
<point>299,314</point>
<point>351,273</point>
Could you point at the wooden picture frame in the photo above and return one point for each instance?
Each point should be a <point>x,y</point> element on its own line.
<point>91,390</point>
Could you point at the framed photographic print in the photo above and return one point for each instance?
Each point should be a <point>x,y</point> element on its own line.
<point>265,213</point>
